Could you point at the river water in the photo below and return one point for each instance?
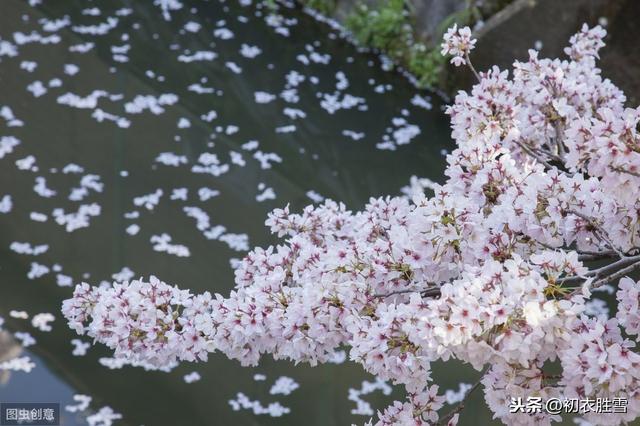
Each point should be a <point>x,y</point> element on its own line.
<point>122,121</point>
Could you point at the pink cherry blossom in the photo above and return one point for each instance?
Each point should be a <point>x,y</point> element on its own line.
<point>458,43</point>
<point>494,269</point>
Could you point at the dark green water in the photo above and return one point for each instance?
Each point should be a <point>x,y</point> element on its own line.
<point>316,156</point>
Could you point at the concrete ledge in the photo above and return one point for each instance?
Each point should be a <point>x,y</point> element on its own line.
<point>510,33</point>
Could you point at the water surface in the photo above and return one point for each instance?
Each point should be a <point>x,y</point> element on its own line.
<point>140,56</point>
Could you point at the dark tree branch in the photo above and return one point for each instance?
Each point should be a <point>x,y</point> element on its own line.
<point>429,292</point>
<point>615,276</point>
<point>600,233</point>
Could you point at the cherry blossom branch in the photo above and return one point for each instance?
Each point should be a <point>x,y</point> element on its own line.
<point>600,234</point>
<point>554,157</point>
<point>609,278</point>
<point>473,69</point>
<point>396,292</point>
<point>556,121</point>
<point>584,255</point>
<point>430,292</point>
<point>613,266</point>
<point>619,169</point>
<point>601,272</point>
<point>543,156</point>
<point>621,273</point>
<point>498,296</point>
<point>533,154</point>
<point>557,125</point>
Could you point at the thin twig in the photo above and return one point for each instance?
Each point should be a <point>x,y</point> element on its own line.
<point>458,408</point>
<point>597,252</point>
<point>430,292</point>
<point>396,292</point>
<point>557,124</point>
<point>615,265</point>
<point>596,256</point>
<point>551,155</point>
<point>600,273</point>
<point>466,58</point>
<point>535,155</point>
<point>584,255</point>
<point>602,281</point>
<point>613,277</point>
<point>601,234</point>
<point>619,169</point>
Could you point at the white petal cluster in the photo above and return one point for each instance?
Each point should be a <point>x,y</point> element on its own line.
<point>458,43</point>
<point>600,363</point>
<point>144,321</point>
<point>628,297</point>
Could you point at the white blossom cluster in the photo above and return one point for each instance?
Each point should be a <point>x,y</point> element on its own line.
<point>494,270</point>
<point>458,43</point>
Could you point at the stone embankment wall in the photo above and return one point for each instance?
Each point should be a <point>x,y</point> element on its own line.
<point>511,32</point>
<point>518,25</point>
